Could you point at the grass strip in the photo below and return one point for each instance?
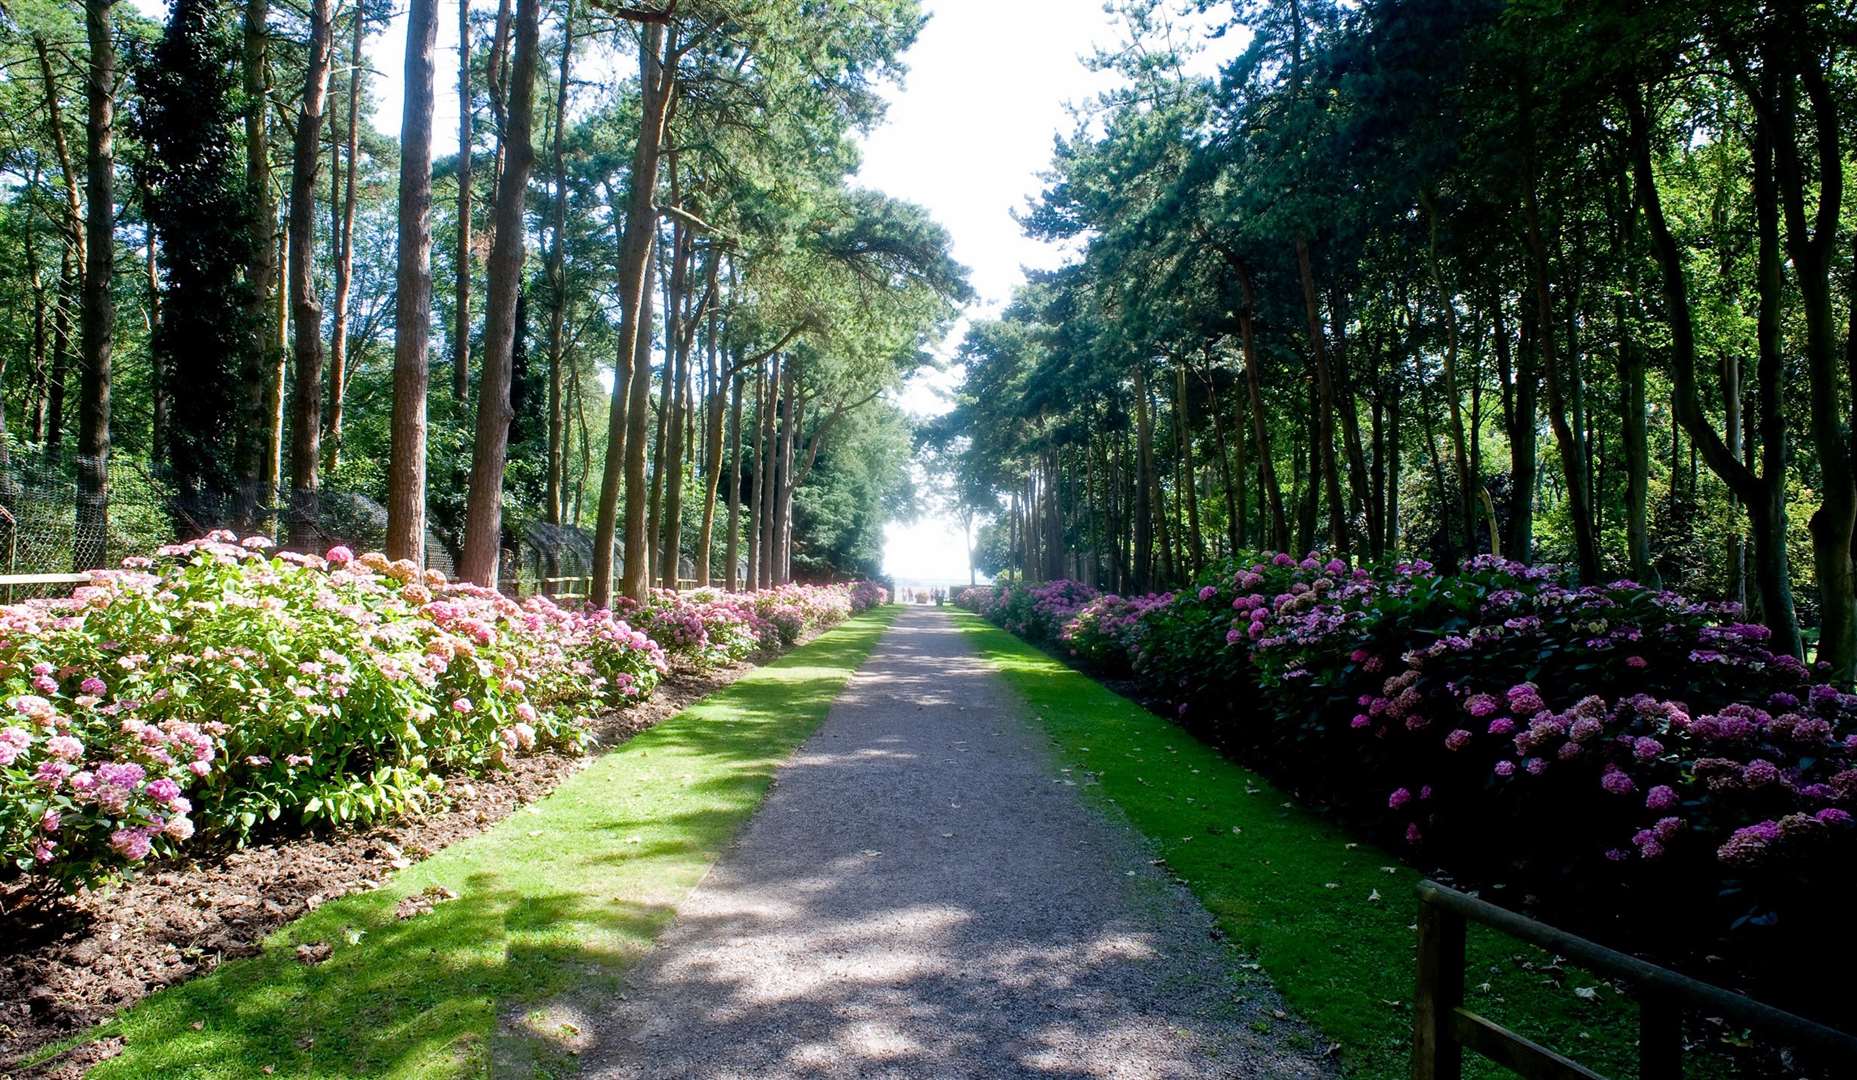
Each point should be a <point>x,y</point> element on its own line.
<point>564,893</point>
<point>1331,921</point>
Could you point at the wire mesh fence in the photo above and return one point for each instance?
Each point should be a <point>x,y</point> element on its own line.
<point>50,535</point>
<point>48,532</point>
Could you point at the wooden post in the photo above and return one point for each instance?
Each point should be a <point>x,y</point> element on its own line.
<point>1660,1038</point>
<point>1436,1054</point>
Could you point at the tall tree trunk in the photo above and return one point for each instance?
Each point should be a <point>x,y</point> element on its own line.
<point>345,255</point>
<point>461,281</point>
<point>1764,494</point>
<point>1233,486</point>
<point>412,322</point>
<point>99,312</point>
<point>783,502</point>
<point>1323,429</point>
<point>552,504</point>
<point>483,512</point>
<point>637,496</point>
<point>1260,421</point>
<point>1460,459</point>
<point>54,121</point>
<point>251,450</point>
<point>1196,546</point>
<point>305,308</point>
<point>1567,436</point>
<point>761,407</point>
<point>61,352</point>
<point>1522,389</point>
<point>1348,406</point>
<point>625,459</point>
<point>278,354</point>
<point>712,452</point>
<point>676,388</point>
<point>1830,356</point>
<point>35,408</point>
<point>159,392</point>
<point>732,579</point>
<point>1144,485</point>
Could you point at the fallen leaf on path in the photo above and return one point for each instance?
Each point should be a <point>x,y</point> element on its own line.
<point>422,903</point>
<point>314,952</point>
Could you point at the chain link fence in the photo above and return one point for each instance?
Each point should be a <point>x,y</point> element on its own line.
<point>47,533</point>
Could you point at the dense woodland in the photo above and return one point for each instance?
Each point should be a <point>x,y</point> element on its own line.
<point>646,303</point>
<point>1564,281</point>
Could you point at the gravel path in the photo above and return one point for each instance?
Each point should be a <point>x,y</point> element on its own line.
<point>926,893</point>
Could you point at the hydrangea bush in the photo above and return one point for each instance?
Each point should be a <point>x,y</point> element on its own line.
<point>1614,746</point>
<point>702,629</point>
<point>868,594</point>
<point>221,689</point>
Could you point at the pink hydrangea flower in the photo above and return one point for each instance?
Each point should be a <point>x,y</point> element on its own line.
<point>131,844</point>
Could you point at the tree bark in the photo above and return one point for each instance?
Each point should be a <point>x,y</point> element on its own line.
<point>552,503</point>
<point>54,121</point>
<point>252,450</point>
<point>1145,485</point>
<point>626,427</point>
<point>1196,547</point>
<point>712,453</point>
<point>731,578</point>
<point>61,352</point>
<point>761,407</point>
<point>1322,430</point>
<point>99,311</point>
<point>345,256</point>
<point>412,322</point>
<point>1811,247</point>
<point>461,282</point>
<point>783,528</point>
<point>1260,421</point>
<point>305,308</point>
<point>483,513</point>
<point>1763,494</point>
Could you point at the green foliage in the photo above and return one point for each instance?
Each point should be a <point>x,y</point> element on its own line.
<point>550,905</point>
<point>190,164</point>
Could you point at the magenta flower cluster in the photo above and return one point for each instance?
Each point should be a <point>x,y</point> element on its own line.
<point>1505,719</point>
<point>223,688</point>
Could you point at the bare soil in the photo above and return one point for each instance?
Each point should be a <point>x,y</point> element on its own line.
<point>75,964</point>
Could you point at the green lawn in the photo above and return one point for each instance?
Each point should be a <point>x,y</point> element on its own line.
<point>1330,921</point>
<point>560,896</point>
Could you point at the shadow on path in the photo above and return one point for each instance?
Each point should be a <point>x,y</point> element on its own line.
<point>925,893</point>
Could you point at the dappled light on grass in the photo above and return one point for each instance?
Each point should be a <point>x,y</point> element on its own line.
<point>566,892</point>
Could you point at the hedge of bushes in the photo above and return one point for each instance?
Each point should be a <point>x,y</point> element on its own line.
<point>219,690</point>
<point>1640,762</point>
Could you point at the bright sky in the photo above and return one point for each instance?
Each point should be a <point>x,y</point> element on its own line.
<point>967,137</point>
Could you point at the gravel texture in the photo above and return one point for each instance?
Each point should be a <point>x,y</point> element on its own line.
<point>927,893</point>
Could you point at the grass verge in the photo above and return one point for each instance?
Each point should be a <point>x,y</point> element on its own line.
<point>1329,920</point>
<point>565,893</point>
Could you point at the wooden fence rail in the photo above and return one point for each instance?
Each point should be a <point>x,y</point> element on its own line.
<point>1443,1028</point>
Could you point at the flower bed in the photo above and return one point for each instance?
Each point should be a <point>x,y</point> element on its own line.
<point>221,690</point>
<point>1613,749</point>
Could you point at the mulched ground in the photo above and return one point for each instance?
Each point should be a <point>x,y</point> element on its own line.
<point>75,965</point>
